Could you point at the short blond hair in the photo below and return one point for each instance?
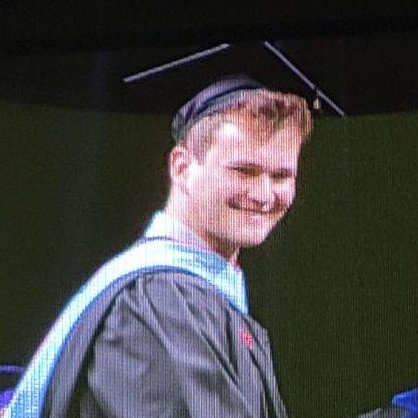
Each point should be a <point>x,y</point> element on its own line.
<point>268,110</point>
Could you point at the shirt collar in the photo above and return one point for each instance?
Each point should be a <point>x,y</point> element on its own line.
<point>165,225</point>
<point>229,279</point>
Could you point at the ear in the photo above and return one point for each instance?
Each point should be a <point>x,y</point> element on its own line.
<point>180,160</point>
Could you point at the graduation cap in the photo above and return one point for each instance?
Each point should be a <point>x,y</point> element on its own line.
<point>217,94</point>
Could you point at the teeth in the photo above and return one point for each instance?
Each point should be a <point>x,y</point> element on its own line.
<point>256,211</point>
<point>260,212</point>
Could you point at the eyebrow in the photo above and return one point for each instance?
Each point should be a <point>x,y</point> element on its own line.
<point>283,171</point>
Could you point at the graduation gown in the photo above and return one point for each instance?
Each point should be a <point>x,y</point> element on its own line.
<point>169,345</point>
<point>157,331</point>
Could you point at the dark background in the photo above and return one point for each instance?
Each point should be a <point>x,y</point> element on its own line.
<point>83,167</point>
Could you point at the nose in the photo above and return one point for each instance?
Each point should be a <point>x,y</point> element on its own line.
<point>262,191</point>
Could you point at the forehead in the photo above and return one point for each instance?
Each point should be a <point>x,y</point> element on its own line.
<point>256,143</point>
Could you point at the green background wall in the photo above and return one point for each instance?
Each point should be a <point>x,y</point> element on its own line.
<point>334,284</point>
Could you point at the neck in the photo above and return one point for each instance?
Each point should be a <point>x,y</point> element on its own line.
<point>223,248</point>
<point>226,250</point>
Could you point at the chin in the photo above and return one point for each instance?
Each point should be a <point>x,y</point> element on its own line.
<point>252,242</point>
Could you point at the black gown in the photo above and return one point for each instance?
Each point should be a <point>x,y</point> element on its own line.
<point>165,344</point>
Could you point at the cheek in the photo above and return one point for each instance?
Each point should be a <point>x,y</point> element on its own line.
<point>214,190</point>
<point>218,188</point>
<point>209,191</point>
<point>288,192</point>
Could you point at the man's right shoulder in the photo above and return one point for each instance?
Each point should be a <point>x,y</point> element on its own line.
<point>178,285</point>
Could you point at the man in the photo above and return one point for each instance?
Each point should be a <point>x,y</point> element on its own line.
<point>163,330</point>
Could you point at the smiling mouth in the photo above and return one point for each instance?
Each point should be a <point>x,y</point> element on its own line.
<point>252,212</point>
<point>255,212</point>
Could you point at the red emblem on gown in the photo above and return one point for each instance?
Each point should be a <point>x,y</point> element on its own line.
<point>246,338</point>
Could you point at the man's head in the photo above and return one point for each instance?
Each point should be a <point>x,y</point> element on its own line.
<point>233,170</point>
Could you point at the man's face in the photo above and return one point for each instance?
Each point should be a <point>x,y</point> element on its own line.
<point>244,186</point>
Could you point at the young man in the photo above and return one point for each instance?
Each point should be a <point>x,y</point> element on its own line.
<point>163,330</point>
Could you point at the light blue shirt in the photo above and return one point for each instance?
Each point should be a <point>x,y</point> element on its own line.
<point>219,272</point>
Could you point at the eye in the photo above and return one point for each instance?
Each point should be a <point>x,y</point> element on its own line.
<point>247,171</point>
<point>280,176</point>
<point>283,175</point>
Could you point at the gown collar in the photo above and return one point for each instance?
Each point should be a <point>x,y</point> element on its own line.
<point>192,249</point>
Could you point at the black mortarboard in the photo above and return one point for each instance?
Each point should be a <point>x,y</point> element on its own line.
<point>213,98</point>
